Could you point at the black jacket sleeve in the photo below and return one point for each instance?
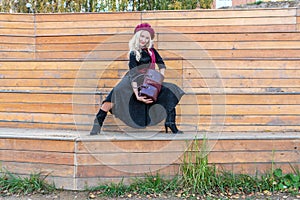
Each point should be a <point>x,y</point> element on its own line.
<point>159,61</point>
<point>132,60</point>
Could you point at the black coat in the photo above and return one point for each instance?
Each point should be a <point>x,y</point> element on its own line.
<point>135,113</point>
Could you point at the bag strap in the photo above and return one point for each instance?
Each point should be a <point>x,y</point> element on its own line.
<point>153,59</point>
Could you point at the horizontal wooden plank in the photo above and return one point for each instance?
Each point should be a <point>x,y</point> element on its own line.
<point>37,157</point>
<point>170,145</point>
<point>241,109</point>
<point>157,22</point>
<point>229,29</point>
<point>213,54</point>
<point>126,170</point>
<point>37,145</point>
<point>86,55</point>
<point>186,29</point>
<point>16,25</point>
<point>165,158</point>
<point>182,44</point>
<point>44,169</point>
<point>85,31</point>
<point>247,119</point>
<point>167,45</point>
<point>187,129</point>
<point>75,74</point>
<point>241,99</point>
<point>130,146</point>
<point>187,89</point>
<point>237,38</point>
<point>226,37</point>
<point>182,119</point>
<point>240,157</point>
<point>24,124</point>
<point>110,16</point>
<point>236,83</point>
<point>255,145</point>
<point>209,83</point>
<point>5,40</point>
<point>200,99</point>
<point>267,90</point>
<point>46,98</point>
<point>6,55</point>
<point>190,73</point>
<point>50,118</point>
<point>81,39</point>
<point>81,65</point>
<point>82,47</point>
<point>254,13</point>
<point>172,54</point>
<point>73,83</point>
<point>257,168</point>
<point>17,32</point>
<point>275,64</point>
<point>242,64</point>
<point>17,17</point>
<point>17,47</point>
<point>185,109</point>
<point>89,24</point>
<point>236,168</point>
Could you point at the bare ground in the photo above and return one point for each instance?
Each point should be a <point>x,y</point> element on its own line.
<point>73,195</point>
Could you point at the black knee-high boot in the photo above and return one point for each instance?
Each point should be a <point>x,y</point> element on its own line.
<point>98,122</point>
<point>170,122</point>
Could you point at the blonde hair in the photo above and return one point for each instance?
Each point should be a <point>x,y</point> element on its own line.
<point>134,45</point>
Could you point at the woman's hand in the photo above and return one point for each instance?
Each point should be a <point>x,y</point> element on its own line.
<point>162,71</point>
<point>144,99</point>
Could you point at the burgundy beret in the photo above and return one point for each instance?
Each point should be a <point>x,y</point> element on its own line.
<point>145,27</point>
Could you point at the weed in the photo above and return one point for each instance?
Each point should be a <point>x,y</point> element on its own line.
<point>154,184</point>
<point>13,184</point>
<point>196,175</point>
<point>112,189</point>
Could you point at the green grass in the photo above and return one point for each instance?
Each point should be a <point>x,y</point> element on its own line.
<point>13,184</point>
<point>199,178</point>
<point>153,185</point>
<point>255,3</point>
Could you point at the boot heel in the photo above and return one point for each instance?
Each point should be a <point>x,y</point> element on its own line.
<point>173,128</point>
<point>96,128</point>
<point>170,122</point>
<point>98,122</point>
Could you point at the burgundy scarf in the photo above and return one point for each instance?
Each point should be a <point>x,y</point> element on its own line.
<point>153,59</point>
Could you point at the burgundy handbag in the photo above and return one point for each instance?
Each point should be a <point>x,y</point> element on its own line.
<point>152,81</point>
<point>152,84</point>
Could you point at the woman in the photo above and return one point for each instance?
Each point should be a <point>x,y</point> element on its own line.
<point>124,100</point>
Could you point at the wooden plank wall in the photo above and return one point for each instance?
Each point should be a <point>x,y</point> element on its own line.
<point>56,68</point>
<point>77,163</point>
<point>115,160</point>
<point>51,157</point>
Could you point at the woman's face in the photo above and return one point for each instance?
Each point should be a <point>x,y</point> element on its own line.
<point>144,39</point>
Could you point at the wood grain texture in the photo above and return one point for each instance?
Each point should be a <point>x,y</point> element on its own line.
<point>37,145</point>
<point>217,13</point>
<point>237,66</point>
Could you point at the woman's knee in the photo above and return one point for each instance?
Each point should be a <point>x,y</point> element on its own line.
<point>106,106</point>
